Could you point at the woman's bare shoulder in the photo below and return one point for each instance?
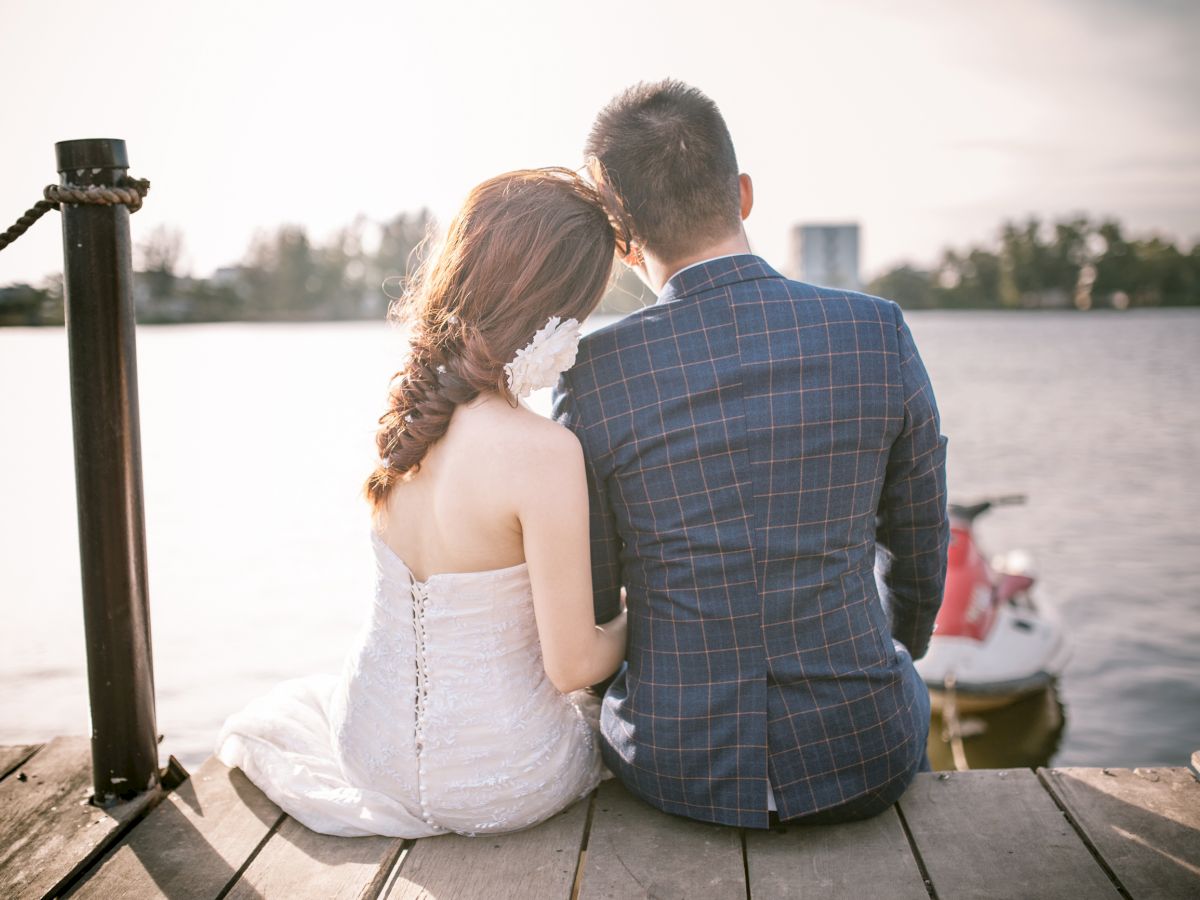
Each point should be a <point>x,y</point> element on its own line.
<point>552,438</point>
<point>519,440</point>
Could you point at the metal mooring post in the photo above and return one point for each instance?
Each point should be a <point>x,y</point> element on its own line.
<point>98,281</point>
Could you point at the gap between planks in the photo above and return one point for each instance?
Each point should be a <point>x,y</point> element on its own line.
<point>1142,823</point>
<point>1087,841</point>
<point>916,853</point>
<point>12,758</point>
<point>241,870</point>
<point>581,861</point>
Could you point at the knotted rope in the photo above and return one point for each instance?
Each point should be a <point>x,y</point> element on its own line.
<point>130,192</point>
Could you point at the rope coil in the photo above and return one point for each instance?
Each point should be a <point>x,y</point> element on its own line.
<point>130,192</point>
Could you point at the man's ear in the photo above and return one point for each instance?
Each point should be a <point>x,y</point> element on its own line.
<point>635,261</point>
<point>633,256</point>
<point>746,189</point>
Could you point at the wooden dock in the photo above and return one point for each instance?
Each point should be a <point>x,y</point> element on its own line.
<point>991,833</point>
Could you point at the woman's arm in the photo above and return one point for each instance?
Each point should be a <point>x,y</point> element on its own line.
<point>553,512</point>
<point>606,544</point>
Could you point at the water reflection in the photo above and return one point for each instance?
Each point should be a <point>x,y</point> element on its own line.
<point>1024,734</point>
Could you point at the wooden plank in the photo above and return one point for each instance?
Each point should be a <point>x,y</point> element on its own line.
<point>634,850</point>
<point>296,862</point>
<point>853,861</point>
<point>992,833</point>
<point>539,862</point>
<point>49,832</point>
<point>193,844</point>
<point>1145,824</point>
<point>12,757</point>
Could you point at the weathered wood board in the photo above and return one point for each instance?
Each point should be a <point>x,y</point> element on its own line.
<point>1144,823</point>
<point>539,862</point>
<point>296,862</point>
<point>49,832</point>
<point>976,834</point>
<point>636,851</point>
<point>12,757</point>
<point>193,844</point>
<point>854,861</point>
<point>988,834</point>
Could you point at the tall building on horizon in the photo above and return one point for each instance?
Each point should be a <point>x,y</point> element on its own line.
<point>826,255</point>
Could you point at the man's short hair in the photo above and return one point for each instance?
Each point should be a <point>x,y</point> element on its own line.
<point>666,152</point>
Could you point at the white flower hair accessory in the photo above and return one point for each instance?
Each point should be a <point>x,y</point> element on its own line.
<point>539,363</point>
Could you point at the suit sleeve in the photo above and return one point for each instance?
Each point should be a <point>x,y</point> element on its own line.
<point>606,543</point>
<point>912,523</point>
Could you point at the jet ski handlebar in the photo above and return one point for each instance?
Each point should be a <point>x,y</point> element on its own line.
<point>972,511</point>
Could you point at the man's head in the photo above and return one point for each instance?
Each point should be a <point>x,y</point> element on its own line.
<point>666,152</point>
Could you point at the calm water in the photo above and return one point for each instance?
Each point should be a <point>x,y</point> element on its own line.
<point>256,439</point>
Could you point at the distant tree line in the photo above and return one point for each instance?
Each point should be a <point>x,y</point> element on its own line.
<point>1072,263</point>
<point>286,276</point>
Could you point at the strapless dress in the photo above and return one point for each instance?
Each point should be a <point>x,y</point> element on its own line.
<point>442,720</point>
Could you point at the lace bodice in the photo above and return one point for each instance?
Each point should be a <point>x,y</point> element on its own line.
<point>443,718</point>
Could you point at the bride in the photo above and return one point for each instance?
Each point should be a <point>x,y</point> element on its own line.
<point>454,711</point>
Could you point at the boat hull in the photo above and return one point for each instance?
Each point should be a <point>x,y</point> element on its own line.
<point>971,698</point>
<point>1023,652</point>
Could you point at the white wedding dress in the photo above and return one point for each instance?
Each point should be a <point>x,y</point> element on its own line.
<point>442,720</point>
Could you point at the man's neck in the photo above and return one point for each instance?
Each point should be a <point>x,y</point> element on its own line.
<point>658,273</point>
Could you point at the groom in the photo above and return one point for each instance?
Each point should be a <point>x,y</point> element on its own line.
<point>749,440</point>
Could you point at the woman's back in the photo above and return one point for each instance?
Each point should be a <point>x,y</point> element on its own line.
<point>458,511</point>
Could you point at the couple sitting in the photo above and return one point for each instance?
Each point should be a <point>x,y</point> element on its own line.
<point>697,527</point>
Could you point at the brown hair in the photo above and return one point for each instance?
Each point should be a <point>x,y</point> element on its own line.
<point>525,246</point>
<point>665,150</point>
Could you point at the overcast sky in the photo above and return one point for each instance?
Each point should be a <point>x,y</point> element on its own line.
<point>926,121</point>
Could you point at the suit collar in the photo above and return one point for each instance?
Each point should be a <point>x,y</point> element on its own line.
<point>715,273</point>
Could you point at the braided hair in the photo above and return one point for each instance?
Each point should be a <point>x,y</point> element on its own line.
<point>525,246</point>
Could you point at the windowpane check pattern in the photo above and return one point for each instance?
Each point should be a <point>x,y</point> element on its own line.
<point>749,441</point>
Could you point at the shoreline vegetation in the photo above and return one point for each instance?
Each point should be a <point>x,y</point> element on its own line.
<point>1072,263</point>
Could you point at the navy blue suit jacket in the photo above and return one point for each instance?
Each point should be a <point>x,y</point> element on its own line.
<point>749,440</point>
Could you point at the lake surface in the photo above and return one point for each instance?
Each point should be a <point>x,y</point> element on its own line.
<point>256,439</point>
